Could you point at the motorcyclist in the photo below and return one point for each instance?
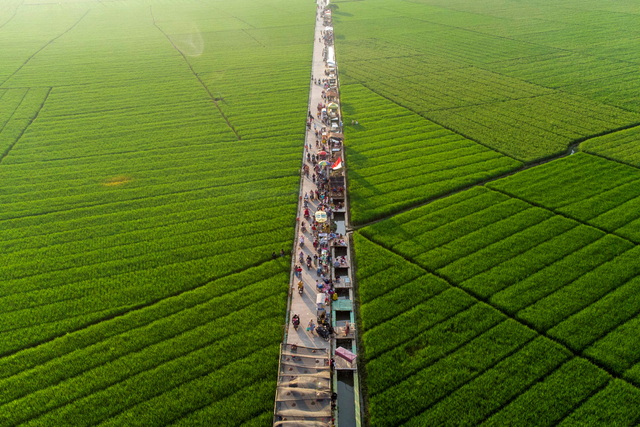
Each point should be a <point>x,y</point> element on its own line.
<point>296,321</point>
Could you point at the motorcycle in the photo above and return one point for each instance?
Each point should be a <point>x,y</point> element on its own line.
<point>301,257</point>
<point>308,262</point>
<point>296,321</point>
<point>301,241</point>
<point>322,332</point>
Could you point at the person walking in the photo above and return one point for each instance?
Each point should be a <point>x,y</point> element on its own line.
<point>311,326</point>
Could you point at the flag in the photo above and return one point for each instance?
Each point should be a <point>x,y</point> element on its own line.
<point>337,165</point>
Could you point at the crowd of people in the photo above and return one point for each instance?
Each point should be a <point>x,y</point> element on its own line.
<point>317,237</point>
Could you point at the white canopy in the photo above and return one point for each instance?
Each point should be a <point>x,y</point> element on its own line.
<point>331,55</point>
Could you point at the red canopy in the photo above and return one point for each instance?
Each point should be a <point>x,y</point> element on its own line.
<point>322,153</point>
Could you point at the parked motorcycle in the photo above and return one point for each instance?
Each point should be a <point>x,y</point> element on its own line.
<point>322,332</point>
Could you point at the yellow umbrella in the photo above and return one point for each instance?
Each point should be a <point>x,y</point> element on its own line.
<point>321,216</point>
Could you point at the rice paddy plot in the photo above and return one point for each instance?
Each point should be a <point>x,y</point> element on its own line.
<point>567,280</point>
<point>149,155</point>
<point>588,188</point>
<point>443,356</point>
<point>527,88</point>
<point>623,146</point>
<point>398,159</point>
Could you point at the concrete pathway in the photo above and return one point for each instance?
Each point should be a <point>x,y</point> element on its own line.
<point>305,305</point>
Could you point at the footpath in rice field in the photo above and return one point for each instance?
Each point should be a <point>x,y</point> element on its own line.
<point>318,378</point>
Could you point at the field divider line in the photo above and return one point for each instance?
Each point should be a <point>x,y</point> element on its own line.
<point>12,16</point>
<point>257,41</point>
<point>510,316</point>
<point>135,258</point>
<point>260,381</point>
<point>195,74</point>
<point>176,386</point>
<point>562,214</point>
<point>43,47</point>
<point>27,127</point>
<point>515,255</point>
<point>434,121</point>
<point>582,402</point>
<point>13,112</point>
<point>470,186</point>
<point>608,330</point>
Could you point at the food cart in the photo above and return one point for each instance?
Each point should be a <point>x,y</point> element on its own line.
<point>332,109</point>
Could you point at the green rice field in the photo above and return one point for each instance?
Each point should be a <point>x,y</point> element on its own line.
<point>498,272</point>
<point>149,166</point>
<point>140,204</point>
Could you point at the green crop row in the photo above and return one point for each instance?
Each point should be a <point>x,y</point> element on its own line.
<point>207,340</point>
<point>29,263</point>
<point>486,393</point>
<point>423,316</point>
<point>617,405</point>
<point>168,316</point>
<point>429,346</point>
<point>591,189</point>
<point>83,296</point>
<point>398,403</point>
<point>519,267</point>
<point>586,326</point>
<point>466,267</point>
<point>399,300</point>
<point>549,401</point>
<point>561,273</point>
<point>584,291</point>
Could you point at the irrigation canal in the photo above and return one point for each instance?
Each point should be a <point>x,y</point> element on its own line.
<point>318,381</point>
